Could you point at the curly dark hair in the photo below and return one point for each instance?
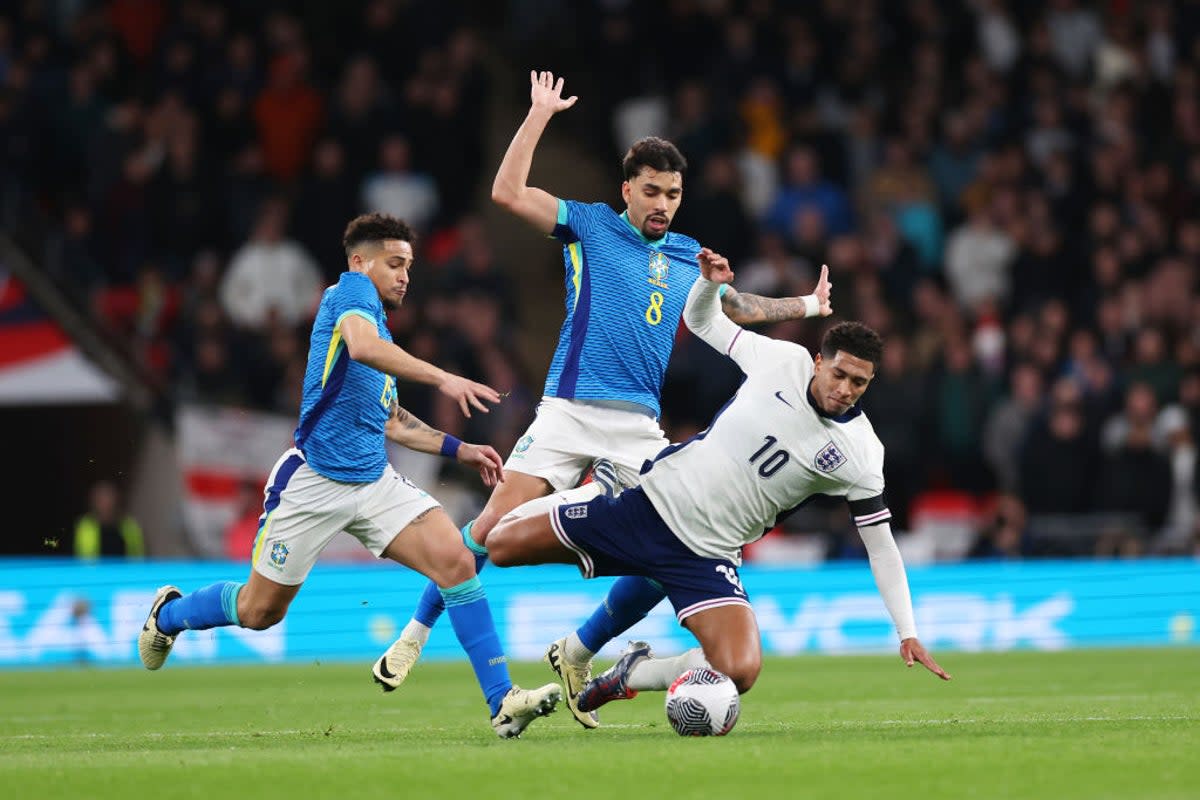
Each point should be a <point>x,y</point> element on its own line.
<point>854,338</point>
<point>375,228</point>
<point>655,153</point>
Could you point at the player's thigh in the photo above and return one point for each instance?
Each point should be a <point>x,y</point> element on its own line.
<point>431,544</point>
<point>516,488</point>
<point>528,540</point>
<point>558,447</point>
<point>730,639</point>
<point>299,521</point>
<point>399,520</point>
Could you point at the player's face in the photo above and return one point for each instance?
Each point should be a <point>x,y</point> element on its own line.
<point>387,266</point>
<point>839,382</point>
<point>652,199</point>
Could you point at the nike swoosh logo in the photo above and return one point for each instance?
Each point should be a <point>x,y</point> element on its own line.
<point>779,394</point>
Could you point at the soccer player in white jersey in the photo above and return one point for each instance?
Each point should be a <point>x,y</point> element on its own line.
<point>794,429</point>
<point>627,277</point>
<point>337,477</point>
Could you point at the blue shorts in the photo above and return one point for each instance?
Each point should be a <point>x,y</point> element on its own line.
<point>626,536</point>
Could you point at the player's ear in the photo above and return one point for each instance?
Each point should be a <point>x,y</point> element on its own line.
<point>626,191</point>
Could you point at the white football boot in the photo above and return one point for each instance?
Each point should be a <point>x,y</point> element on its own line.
<point>522,706</point>
<point>153,645</point>
<point>393,666</point>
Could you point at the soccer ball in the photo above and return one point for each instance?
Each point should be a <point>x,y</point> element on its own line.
<point>703,702</point>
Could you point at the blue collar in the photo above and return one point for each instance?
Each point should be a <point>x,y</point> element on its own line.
<point>849,414</point>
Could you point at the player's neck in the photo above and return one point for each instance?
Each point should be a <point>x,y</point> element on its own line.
<point>847,415</point>
<point>645,239</point>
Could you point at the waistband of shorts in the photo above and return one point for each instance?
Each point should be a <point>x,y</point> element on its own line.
<point>612,405</point>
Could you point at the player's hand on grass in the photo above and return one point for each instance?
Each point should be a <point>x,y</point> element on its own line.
<point>912,651</point>
<point>468,393</point>
<point>546,94</point>
<point>484,459</point>
<point>714,266</point>
<point>823,290</point>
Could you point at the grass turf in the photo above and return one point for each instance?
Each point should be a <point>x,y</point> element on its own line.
<point>1083,724</point>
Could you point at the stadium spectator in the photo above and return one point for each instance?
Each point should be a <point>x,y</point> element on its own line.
<point>106,529</point>
<point>271,278</point>
<point>397,189</point>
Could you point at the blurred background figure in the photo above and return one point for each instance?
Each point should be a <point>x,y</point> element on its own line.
<point>106,529</point>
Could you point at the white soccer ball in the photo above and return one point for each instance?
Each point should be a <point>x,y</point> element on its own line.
<point>703,702</point>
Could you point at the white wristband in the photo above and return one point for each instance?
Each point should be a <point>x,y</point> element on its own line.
<point>812,306</point>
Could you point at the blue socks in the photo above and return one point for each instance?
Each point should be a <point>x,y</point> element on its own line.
<point>471,617</point>
<point>210,607</point>
<point>629,601</point>
<point>430,605</point>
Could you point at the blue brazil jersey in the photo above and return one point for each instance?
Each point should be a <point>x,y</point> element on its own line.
<point>345,405</point>
<point>625,295</point>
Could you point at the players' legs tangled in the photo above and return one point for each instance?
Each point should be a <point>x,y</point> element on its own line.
<point>516,489</point>
<point>431,545</point>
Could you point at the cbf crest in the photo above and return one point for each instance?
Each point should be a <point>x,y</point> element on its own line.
<point>279,554</point>
<point>829,458</point>
<point>660,266</point>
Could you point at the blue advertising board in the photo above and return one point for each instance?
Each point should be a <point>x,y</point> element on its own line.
<point>60,612</point>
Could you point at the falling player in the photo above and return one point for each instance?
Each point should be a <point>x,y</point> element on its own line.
<point>794,429</point>
<point>337,478</point>
<point>627,277</point>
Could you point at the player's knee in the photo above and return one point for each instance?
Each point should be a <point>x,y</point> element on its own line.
<point>261,618</point>
<point>455,568</point>
<point>500,547</point>
<point>742,669</point>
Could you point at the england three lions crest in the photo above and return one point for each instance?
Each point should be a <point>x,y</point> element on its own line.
<point>829,458</point>
<point>660,265</point>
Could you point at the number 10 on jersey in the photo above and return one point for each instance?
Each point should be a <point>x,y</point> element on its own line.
<point>772,463</point>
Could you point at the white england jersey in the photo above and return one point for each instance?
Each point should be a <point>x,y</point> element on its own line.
<point>766,452</point>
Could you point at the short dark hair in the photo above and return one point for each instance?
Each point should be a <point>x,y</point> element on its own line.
<point>655,153</point>
<point>375,228</point>
<point>855,339</point>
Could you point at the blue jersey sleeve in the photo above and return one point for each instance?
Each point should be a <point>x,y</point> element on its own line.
<point>354,295</point>
<point>576,220</point>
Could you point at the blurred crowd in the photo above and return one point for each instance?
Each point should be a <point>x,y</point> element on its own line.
<point>1008,191</point>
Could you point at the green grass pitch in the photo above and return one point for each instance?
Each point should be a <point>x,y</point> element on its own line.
<point>1083,724</point>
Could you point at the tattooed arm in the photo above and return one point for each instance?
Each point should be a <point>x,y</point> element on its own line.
<point>406,429</point>
<point>748,309</point>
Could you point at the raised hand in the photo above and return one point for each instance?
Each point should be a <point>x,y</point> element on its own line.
<point>545,93</point>
<point>484,459</point>
<point>822,291</point>
<point>714,266</point>
<point>912,651</point>
<point>468,393</point>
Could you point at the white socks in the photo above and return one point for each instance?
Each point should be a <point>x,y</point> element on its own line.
<point>575,652</point>
<point>657,674</point>
<point>415,630</point>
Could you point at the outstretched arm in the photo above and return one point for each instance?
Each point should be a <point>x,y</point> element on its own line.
<point>510,190</point>
<point>749,309</point>
<point>364,346</point>
<point>406,429</point>
<point>888,568</point>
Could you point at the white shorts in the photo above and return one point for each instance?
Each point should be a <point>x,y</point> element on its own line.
<point>304,511</point>
<point>568,435</point>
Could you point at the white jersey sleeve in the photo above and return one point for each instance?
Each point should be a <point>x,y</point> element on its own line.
<point>750,351</point>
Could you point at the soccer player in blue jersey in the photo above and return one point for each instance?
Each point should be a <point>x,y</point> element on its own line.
<point>627,279</point>
<point>337,477</point>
